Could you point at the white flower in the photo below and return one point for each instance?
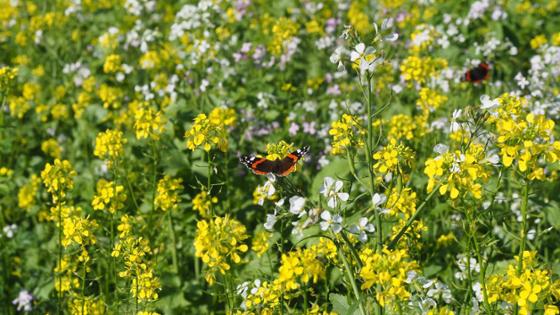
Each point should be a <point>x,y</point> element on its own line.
<point>361,228</point>
<point>10,230</point>
<point>378,200</point>
<point>477,288</point>
<point>330,190</point>
<point>334,222</point>
<point>392,37</point>
<point>359,55</point>
<point>270,221</point>
<point>23,301</point>
<point>358,52</point>
<point>441,148</point>
<point>296,205</point>
<point>265,191</point>
<point>487,103</point>
<point>387,23</point>
<point>336,55</point>
<point>455,126</point>
<point>493,159</point>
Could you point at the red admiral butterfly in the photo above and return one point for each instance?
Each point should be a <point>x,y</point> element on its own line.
<point>263,166</point>
<point>478,74</point>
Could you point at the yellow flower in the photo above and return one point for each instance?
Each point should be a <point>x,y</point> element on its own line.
<point>393,158</point>
<point>346,132</point>
<point>148,122</point>
<point>86,305</point>
<point>109,144</point>
<point>78,230</point>
<point>7,75</point>
<point>430,100</point>
<point>145,285</point>
<point>260,242</point>
<point>167,196</point>
<point>110,196</point>
<point>458,172</point>
<point>358,18</point>
<point>420,69</point>
<point>219,243</point>
<point>538,41</point>
<point>112,64</point>
<point>203,202</point>
<point>278,151</point>
<point>28,192</point>
<point>388,269</point>
<point>58,178</point>
<point>282,31</point>
<point>52,148</point>
<point>124,227</point>
<point>110,96</point>
<point>211,130</point>
<point>299,267</point>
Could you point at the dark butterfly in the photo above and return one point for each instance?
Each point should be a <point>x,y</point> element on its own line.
<point>478,74</point>
<point>263,166</point>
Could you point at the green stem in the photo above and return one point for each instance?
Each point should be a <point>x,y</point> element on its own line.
<point>174,242</point>
<point>59,257</point>
<point>209,182</point>
<point>353,168</point>
<point>524,202</point>
<point>350,276</point>
<point>83,287</point>
<point>129,187</point>
<point>369,158</point>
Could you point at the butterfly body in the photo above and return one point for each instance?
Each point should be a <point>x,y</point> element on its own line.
<point>478,74</point>
<point>283,167</point>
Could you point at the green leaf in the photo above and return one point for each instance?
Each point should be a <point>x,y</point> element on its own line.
<point>339,303</point>
<point>336,169</point>
<point>552,214</point>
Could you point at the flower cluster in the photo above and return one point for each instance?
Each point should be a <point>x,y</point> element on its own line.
<point>421,69</point>
<point>524,137</point>
<point>211,130</point>
<point>527,288</point>
<point>458,172</point>
<point>203,202</point>
<point>135,252</point>
<point>148,123</point>
<point>167,197</point>
<point>110,196</point>
<point>219,243</point>
<point>346,132</point>
<point>387,269</point>
<point>58,178</point>
<point>393,158</point>
<point>109,144</point>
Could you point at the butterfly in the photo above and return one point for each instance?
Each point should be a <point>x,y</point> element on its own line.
<point>478,73</point>
<point>263,166</point>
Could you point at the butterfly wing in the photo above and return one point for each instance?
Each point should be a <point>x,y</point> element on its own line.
<point>478,74</point>
<point>263,166</point>
<point>288,164</point>
<point>260,166</point>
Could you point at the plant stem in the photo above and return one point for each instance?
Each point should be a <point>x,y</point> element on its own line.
<point>483,265</point>
<point>350,276</point>
<point>524,202</point>
<point>84,287</point>
<point>353,168</point>
<point>59,257</point>
<point>369,149</point>
<point>523,226</point>
<point>174,243</point>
